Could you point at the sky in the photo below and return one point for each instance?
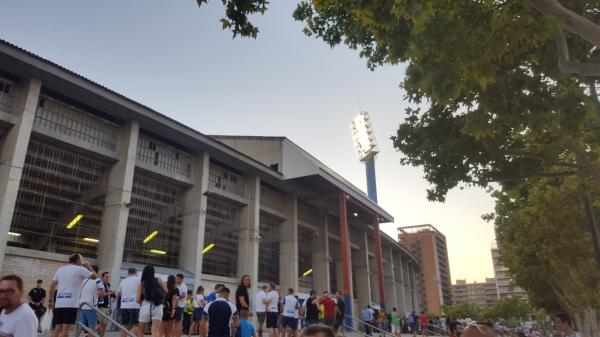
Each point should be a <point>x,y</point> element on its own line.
<point>174,57</point>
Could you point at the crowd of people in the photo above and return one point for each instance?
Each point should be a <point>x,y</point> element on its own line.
<point>169,309</point>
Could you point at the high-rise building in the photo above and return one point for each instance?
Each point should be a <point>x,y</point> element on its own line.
<point>505,286</point>
<point>483,294</point>
<point>429,246</point>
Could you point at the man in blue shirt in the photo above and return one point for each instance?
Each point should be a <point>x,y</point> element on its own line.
<point>367,316</point>
<point>221,315</point>
<point>213,295</point>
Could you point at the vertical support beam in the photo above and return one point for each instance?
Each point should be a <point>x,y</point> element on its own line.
<point>390,278</point>
<point>402,294</point>
<point>415,290</point>
<point>288,246</point>
<point>12,156</point>
<point>361,265</point>
<point>346,263</point>
<point>320,256</point>
<point>194,219</point>
<point>249,237</point>
<point>379,261</point>
<point>113,227</point>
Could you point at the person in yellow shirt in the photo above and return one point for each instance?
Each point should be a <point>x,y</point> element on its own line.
<point>321,314</point>
<point>187,312</point>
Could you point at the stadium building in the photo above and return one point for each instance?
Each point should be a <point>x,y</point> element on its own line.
<point>85,169</point>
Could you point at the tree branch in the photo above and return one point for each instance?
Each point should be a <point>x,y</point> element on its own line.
<point>581,157</point>
<point>570,20</point>
<point>569,67</point>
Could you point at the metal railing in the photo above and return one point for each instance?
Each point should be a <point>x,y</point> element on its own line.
<point>376,329</point>
<point>80,326</point>
<point>429,329</point>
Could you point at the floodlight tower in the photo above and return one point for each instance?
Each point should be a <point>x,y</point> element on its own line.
<point>366,148</point>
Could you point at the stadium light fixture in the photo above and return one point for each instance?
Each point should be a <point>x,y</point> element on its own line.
<point>364,137</point>
<point>208,248</point>
<point>14,234</point>
<point>150,237</point>
<point>74,221</point>
<point>158,251</point>
<point>308,272</point>
<point>91,240</point>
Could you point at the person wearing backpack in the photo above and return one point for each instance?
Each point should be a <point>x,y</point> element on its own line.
<point>151,296</point>
<point>170,306</point>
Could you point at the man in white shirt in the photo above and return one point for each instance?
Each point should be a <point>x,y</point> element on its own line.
<point>17,319</point>
<point>67,282</point>
<point>180,305</point>
<point>290,314</point>
<point>272,303</point>
<point>90,290</point>
<point>130,309</point>
<point>260,308</point>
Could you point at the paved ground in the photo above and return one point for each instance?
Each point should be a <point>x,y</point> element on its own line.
<point>348,334</point>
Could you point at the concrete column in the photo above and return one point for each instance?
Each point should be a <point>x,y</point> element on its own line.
<point>320,257</point>
<point>346,256</point>
<point>288,246</point>
<point>194,219</point>
<point>390,280</point>
<point>379,262</point>
<point>361,267</point>
<point>414,291</point>
<point>373,279</point>
<point>117,202</point>
<point>400,285</point>
<point>12,155</point>
<point>249,237</point>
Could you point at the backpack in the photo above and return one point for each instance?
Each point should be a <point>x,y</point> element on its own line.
<point>156,296</point>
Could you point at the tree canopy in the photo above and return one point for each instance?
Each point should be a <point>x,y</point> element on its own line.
<point>503,95</point>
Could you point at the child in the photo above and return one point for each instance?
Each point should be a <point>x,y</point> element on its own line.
<point>246,329</point>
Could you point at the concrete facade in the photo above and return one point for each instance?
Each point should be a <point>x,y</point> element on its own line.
<point>71,147</point>
<point>433,278</point>
<point>505,286</point>
<point>481,293</point>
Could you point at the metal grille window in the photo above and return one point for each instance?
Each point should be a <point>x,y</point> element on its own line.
<point>305,238</point>
<point>58,185</point>
<point>223,179</point>
<point>163,156</point>
<point>268,253</point>
<point>307,213</point>
<point>70,121</point>
<point>271,198</point>
<point>157,206</point>
<point>222,231</point>
<point>7,95</point>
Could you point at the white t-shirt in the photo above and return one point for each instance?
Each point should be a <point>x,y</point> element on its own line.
<point>182,294</point>
<point>198,299</point>
<point>259,305</point>
<point>290,304</point>
<point>273,297</point>
<point>69,279</point>
<point>21,322</point>
<point>128,291</point>
<point>89,292</point>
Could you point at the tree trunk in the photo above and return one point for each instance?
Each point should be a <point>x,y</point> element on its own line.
<point>588,322</point>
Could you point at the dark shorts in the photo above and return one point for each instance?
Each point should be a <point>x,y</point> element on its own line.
<point>272,320</point>
<point>64,316</point>
<point>289,322</point>
<point>329,321</point>
<point>261,316</point>
<point>179,314</point>
<point>339,321</point>
<point>197,314</point>
<point>130,316</point>
<point>310,322</point>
